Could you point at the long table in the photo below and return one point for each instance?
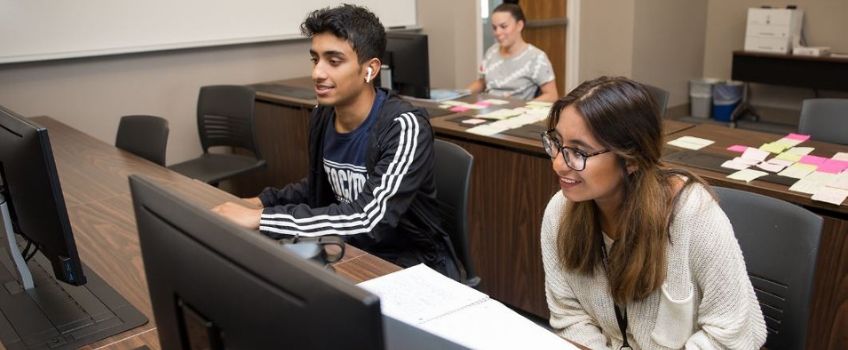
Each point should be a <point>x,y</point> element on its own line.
<point>93,176</point>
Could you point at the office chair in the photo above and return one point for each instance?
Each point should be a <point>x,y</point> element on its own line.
<point>660,98</point>
<point>779,241</point>
<point>453,174</point>
<point>224,118</point>
<point>143,135</point>
<point>825,119</point>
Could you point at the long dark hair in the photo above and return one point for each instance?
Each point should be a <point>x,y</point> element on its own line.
<point>623,117</point>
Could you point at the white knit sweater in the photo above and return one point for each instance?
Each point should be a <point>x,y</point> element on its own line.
<point>706,302</point>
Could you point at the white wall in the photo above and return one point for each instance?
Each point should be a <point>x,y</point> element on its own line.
<point>825,24</point>
<point>91,94</point>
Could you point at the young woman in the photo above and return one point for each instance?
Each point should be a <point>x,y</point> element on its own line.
<point>637,255</point>
<point>512,67</point>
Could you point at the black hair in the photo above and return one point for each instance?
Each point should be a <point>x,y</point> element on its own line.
<point>513,9</point>
<point>355,24</point>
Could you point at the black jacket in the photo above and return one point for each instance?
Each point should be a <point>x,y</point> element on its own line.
<point>394,216</point>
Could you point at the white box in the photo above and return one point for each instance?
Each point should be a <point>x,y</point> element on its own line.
<point>772,45</point>
<point>773,30</point>
<point>819,51</point>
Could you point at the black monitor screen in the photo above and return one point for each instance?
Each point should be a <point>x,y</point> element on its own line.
<point>407,56</point>
<point>215,285</point>
<point>31,187</point>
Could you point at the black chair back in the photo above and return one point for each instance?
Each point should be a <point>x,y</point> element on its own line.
<point>145,136</point>
<point>225,117</point>
<point>453,176</point>
<point>779,241</point>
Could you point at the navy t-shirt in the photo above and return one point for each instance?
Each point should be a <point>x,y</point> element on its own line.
<point>344,154</point>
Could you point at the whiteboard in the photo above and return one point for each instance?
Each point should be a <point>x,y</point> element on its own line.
<point>33,30</point>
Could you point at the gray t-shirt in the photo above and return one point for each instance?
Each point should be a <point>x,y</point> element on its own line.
<point>518,76</point>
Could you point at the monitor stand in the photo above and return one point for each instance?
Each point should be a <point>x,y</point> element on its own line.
<point>54,315</point>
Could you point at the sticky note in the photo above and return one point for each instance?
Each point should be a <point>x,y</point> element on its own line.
<point>459,109</point>
<point>812,183</point>
<point>746,175</point>
<point>798,137</point>
<point>815,160</point>
<point>798,170</point>
<point>832,166</point>
<point>691,142</point>
<point>830,195</point>
<point>840,182</point>
<point>771,167</point>
<point>730,164</point>
<point>800,150</point>
<point>474,121</point>
<point>840,156</point>
<point>737,148</point>
<point>788,142</point>
<point>792,157</point>
<point>755,154</point>
<point>483,104</point>
<point>495,101</point>
<point>773,147</point>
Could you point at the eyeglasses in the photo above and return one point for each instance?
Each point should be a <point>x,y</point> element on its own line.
<point>574,158</point>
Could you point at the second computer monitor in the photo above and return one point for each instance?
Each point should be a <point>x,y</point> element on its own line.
<point>407,56</point>
<point>217,286</point>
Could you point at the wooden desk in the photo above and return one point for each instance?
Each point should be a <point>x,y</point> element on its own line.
<point>829,321</point>
<point>827,73</point>
<point>93,175</point>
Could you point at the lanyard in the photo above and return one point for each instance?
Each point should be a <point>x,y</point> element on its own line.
<point>620,316</point>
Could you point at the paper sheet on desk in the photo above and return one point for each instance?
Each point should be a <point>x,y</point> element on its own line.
<point>424,298</point>
<point>690,142</point>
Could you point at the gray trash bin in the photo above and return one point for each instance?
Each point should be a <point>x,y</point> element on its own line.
<point>701,96</point>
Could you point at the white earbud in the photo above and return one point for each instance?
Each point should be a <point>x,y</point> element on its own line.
<point>368,77</point>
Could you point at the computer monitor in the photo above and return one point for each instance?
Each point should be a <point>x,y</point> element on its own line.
<point>409,64</point>
<point>38,312</point>
<point>34,197</point>
<point>215,285</point>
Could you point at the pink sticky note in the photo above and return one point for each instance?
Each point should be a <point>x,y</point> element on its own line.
<point>814,160</point>
<point>737,148</point>
<point>798,137</point>
<point>833,166</point>
<point>459,109</point>
<point>483,104</point>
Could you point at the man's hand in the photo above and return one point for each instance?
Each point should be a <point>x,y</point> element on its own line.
<point>254,201</point>
<point>242,216</point>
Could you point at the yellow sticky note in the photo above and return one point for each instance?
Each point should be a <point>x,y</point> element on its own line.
<point>773,147</point>
<point>792,157</point>
<point>798,170</point>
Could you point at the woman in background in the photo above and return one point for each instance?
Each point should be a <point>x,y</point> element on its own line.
<point>637,255</point>
<point>512,67</point>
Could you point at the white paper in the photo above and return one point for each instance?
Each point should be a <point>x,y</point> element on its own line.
<point>840,182</point>
<point>746,161</point>
<point>841,156</point>
<point>730,164</point>
<point>491,325</point>
<point>495,101</point>
<point>474,121</point>
<point>418,294</point>
<point>690,142</point>
<point>755,154</point>
<point>813,183</point>
<point>774,168</point>
<point>831,195</point>
<point>425,299</point>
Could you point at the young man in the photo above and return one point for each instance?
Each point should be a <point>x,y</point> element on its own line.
<point>371,156</point>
